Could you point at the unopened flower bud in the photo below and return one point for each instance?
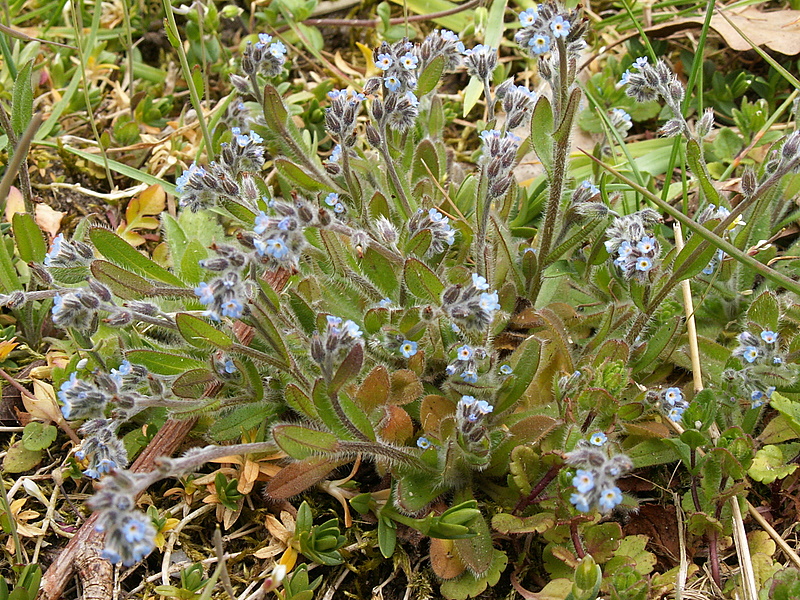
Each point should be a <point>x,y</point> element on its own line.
<point>324,217</point>
<point>89,300</point>
<point>705,123</point>
<point>672,128</point>
<point>100,290</point>
<point>749,181</point>
<point>42,274</point>
<point>377,110</point>
<point>240,83</point>
<point>15,299</point>
<point>332,168</point>
<point>372,85</point>
<point>373,137</point>
<point>791,146</point>
<point>119,319</point>
<point>676,90</point>
<point>215,264</point>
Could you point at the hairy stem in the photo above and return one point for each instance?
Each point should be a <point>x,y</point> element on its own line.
<point>387,158</point>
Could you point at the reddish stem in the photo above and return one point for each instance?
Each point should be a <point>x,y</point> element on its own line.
<point>551,474</point>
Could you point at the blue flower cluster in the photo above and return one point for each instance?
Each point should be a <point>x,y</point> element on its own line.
<point>518,102</point>
<point>399,64</point>
<point>245,153</point>
<point>129,534</point>
<point>68,254</point>
<point>466,363</point>
<point>471,306</point>
<point>543,25</point>
<point>342,114</point>
<point>264,56</point>
<point>595,479</point>
<point>278,240</point>
<point>101,447</point>
<point>636,249</point>
<point>672,403</point>
<point>442,233</point>
<point>82,399</point>
<point>440,42</point>
<point>498,160</point>
<point>334,343</point>
<point>481,61</point>
<point>762,349</point>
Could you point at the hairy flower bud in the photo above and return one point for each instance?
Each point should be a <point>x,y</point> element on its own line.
<point>373,137</point>
<point>705,123</point>
<point>749,181</point>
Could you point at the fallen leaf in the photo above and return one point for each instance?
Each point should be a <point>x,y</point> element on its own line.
<point>48,219</point>
<point>778,30</point>
<point>44,405</point>
<point>15,203</point>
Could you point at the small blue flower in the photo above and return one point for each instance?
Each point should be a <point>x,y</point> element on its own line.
<point>646,244</point>
<point>54,250</point>
<point>489,302</point>
<point>229,367</point>
<point>408,348</point>
<point>640,63</point>
<point>423,442</point>
<point>436,217</point>
<point>384,62</point>
<point>276,248</point>
<point>277,49</point>
<point>469,376</point>
<point>385,303</point>
<point>467,401</point>
<point>583,481</point>
<point>232,308</point>
<point>609,498</point>
<point>675,414</point>
<point>673,395</point>
<point>264,38</point>
<point>540,44</point>
<point>352,329</point>
<point>598,438</point>
<point>625,249</point>
<point>479,282</point>
<point>560,27</point>
<point>331,199</point>
<point>338,208</point>
<point>392,83</point>
<point>626,76</point>
<point>528,17</point>
<point>409,61</point>
<point>336,154</point>
<point>770,337</point>
<point>205,292</point>
<point>750,354</point>
<point>777,360</point>
<point>580,501</point>
<point>465,352</point>
<point>262,223</point>
<point>622,114</point>
<point>483,407</point>
<point>588,185</point>
<point>506,370</point>
<point>643,264</point>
